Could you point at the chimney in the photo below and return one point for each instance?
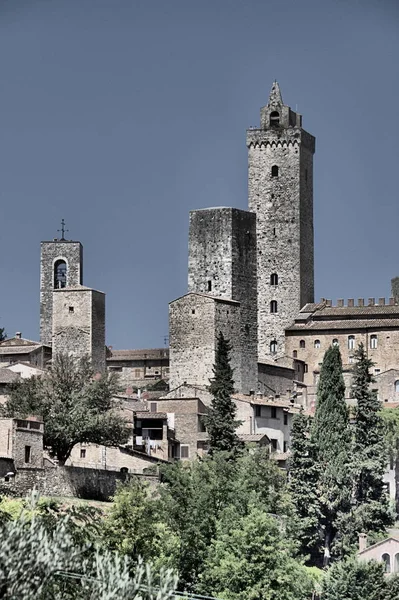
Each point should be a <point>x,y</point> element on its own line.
<point>328,302</point>
<point>391,301</point>
<point>351,302</point>
<point>360,301</point>
<point>362,542</point>
<point>381,301</point>
<point>252,392</point>
<point>340,302</point>
<point>371,301</point>
<point>18,335</point>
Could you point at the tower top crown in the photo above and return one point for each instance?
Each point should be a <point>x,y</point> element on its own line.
<point>275,96</point>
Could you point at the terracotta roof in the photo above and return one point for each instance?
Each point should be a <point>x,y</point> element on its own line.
<point>344,324</point>
<point>149,353</point>
<point>355,311</point>
<point>4,350</point>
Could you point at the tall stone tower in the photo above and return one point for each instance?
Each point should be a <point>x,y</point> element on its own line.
<point>280,186</point>
<point>61,265</point>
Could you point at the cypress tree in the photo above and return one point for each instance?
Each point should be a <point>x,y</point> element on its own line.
<point>221,423</point>
<point>369,447</point>
<point>331,436</point>
<point>303,479</point>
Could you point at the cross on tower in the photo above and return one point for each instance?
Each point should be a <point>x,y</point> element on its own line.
<point>62,230</point>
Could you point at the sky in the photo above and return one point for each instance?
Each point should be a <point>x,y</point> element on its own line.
<point>121,116</point>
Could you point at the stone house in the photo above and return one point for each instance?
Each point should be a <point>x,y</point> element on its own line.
<point>6,378</point>
<point>386,552</point>
<point>21,440</point>
<point>19,349</point>
<point>139,368</point>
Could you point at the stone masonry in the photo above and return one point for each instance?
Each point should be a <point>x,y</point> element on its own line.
<point>60,257</point>
<point>79,324</point>
<point>222,263</point>
<point>280,186</point>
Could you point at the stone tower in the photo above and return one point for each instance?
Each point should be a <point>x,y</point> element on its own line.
<point>79,324</point>
<point>222,297</point>
<point>280,192</point>
<point>61,265</point>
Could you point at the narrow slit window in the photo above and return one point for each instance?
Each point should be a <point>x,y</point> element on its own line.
<point>351,342</point>
<point>373,342</point>
<point>273,347</point>
<point>273,306</point>
<point>274,279</point>
<point>302,344</point>
<point>209,285</point>
<point>274,171</point>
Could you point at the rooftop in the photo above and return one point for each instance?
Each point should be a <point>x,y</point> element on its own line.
<point>147,353</point>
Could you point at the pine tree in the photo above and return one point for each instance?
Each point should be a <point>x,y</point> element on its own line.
<point>221,423</point>
<point>369,448</point>
<point>332,438</point>
<point>303,479</point>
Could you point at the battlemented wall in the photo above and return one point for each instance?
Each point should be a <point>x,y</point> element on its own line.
<point>280,192</point>
<point>195,321</point>
<point>51,252</point>
<point>79,324</point>
<point>222,263</point>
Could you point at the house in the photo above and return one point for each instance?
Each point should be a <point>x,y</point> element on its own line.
<point>386,551</point>
<point>21,444</point>
<point>19,349</point>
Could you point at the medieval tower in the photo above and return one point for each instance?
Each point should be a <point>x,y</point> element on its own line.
<point>280,192</point>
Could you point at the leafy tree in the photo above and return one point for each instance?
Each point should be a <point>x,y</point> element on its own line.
<point>221,423</point>
<point>3,334</point>
<point>390,419</point>
<point>75,406</point>
<point>331,437</point>
<point>250,560</point>
<point>303,479</point>
<point>392,592</point>
<point>370,457</point>
<point>355,580</point>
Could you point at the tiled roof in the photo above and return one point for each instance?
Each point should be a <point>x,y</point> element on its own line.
<point>252,437</point>
<point>149,353</point>
<point>151,415</point>
<point>210,296</point>
<point>4,350</point>
<point>17,341</point>
<point>345,324</point>
<point>354,311</point>
<point>7,376</point>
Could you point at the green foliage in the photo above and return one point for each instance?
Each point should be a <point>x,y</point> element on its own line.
<point>221,423</point>
<point>390,419</point>
<point>331,437</point>
<point>76,406</point>
<point>249,559</point>
<point>354,580</point>
<point>303,480</point>
<point>47,565</point>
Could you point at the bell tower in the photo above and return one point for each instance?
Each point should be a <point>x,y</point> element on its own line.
<point>61,266</point>
<point>280,192</point>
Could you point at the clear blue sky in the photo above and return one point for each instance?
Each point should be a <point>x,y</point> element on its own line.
<point>122,115</point>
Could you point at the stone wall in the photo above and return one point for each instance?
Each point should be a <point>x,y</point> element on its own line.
<point>274,379</point>
<point>92,484</point>
<point>79,324</point>
<point>282,199</point>
<point>72,254</point>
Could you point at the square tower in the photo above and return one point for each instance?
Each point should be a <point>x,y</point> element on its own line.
<point>280,193</point>
<point>61,265</point>
<point>79,324</point>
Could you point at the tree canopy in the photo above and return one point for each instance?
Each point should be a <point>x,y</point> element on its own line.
<point>76,406</point>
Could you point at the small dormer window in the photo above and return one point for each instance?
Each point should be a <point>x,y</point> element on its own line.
<point>274,119</point>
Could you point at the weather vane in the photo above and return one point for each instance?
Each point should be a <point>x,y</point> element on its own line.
<point>62,230</point>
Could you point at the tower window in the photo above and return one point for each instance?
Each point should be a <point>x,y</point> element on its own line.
<point>60,274</point>
<point>373,341</point>
<point>274,171</point>
<point>273,306</point>
<point>274,279</point>
<point>295,353</point>
<point>317,343</point>
<point>274,119</point>
<point>351,342</point>
<point>209,286</point>
<point>273,347</point>
<point>302,343</point>
<point>71,309</point>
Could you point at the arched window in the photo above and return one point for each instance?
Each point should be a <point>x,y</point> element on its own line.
<point>273,306</point>
<point>294,353</point>
<point>273,347</point>
<point>60,274</point>
<point>317,343</point>
<point>335,342</point>
<point>397,385</point>
<point>274,279</point>
<point>274,171</point>
<point>373,341</point>
<point>302,343</point>
<point>397,562</point>
<point>351,342</point>
<point>386,559</point>
<point>274,119</point>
